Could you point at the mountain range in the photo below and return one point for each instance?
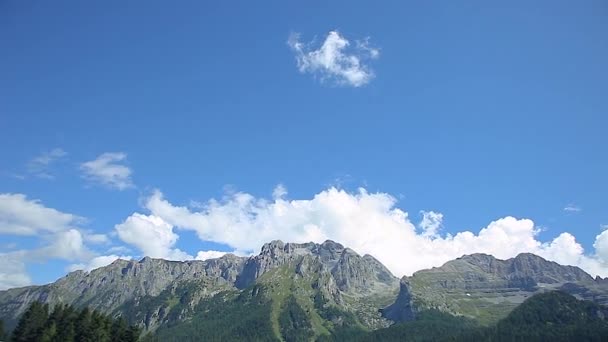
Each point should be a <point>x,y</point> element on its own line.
<point>302,291</point>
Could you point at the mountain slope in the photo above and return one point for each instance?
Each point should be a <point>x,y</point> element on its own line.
<point>548,316</point>
<point>487,289</point>
<point>302,291</point>
<point>154,293</point>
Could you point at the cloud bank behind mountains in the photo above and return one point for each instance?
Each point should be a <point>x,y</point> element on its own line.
<point>369,223</point>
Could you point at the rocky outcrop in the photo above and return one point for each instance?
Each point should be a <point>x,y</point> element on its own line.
<point>351,272</point>
<point>402,310</point>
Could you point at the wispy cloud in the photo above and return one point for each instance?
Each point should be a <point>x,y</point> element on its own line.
<point>572,208</point>
<point>109,170</point>
<point>40,165</point>
<point>337,60</point>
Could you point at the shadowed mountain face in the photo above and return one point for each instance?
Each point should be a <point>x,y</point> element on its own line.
<point>328,286</point>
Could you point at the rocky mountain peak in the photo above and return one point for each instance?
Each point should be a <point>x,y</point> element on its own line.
<point>350,271</point>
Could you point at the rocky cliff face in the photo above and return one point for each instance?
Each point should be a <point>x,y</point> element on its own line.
<point>403,309</point>
<point>328,280</point>
<point>109,287</point>
<point>139,282</point>
<point>351,272</point>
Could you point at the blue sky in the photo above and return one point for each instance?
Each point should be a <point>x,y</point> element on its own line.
<point>468,114</point>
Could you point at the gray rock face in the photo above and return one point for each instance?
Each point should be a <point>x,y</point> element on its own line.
<point>351,272</point>
<point>402,310</point>
<point>479,285</point>
<point>109,287</point>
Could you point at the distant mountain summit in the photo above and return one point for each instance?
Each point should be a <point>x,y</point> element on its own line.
<point>315,289</point>
<point>486,288</point>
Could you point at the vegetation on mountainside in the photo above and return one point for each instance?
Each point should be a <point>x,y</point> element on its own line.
<point>227,316</point>
<point>430,325</point>
<point>66,324</point>
<point>248,316</point>
<point>550,316</point>
<point>278,307</point>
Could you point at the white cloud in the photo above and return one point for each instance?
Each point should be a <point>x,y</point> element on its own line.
<point>12,270</point>
<point>572,208</point>
<point>601,245</point>
<point>109,171</point>
<point>39,166</point>
<point>66,245</point>
<point>336,60</point>
<point>59,234</point>
<point>431,223</point>
<point>119,249</point>
<point>96,238</point>
<point>153,236</point>
<point>96,262</point>
<point>368,223</point>
<point>204,255</point>
<point>22,216</point>
<point>279,192</point>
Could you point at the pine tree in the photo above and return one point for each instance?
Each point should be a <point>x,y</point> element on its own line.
<point>65,324</point>
<point>119,327</point>
<point>100,327</point>
<point>84,333</point>
<point>32,324</point>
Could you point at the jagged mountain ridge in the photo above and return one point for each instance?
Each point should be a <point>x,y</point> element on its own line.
<point>109,288</point>
<point>332,284</point>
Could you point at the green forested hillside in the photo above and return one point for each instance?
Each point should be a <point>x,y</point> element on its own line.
<point>554,316</point>
<point>66,324</point>
<point>247,316</point>
<point>550,316</point>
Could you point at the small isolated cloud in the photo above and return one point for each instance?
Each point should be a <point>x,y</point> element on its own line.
<point>572,208</point>
<point>337,60</point>
<point>41,165</point>
<point>108,170</point>
<point>152,236</point>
